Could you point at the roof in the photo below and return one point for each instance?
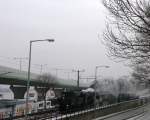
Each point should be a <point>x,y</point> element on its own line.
<point>4,89</point>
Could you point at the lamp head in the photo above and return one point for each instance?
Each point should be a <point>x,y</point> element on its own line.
<point>50,40</point>
<point>107,66</point>
<point>9,72</point>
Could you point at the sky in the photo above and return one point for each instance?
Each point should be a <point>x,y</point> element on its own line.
<point>76,25</point>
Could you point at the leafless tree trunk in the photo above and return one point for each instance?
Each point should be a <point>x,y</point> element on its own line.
<point>141,74</point>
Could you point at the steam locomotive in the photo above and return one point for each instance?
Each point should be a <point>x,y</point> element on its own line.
<point>72,101</point>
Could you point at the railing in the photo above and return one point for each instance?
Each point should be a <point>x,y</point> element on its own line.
<point>91,112</point>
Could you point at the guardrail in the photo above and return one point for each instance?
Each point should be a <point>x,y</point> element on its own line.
<point>92,113</point>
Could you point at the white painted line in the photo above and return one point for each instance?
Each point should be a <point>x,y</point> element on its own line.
<point>114,114</point>
<point>137,117</point>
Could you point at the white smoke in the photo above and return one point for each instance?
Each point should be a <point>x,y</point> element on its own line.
<point>115,86</point>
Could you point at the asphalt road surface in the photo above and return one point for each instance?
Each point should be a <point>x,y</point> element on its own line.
<point>144,116</point>
<point>140,113</point>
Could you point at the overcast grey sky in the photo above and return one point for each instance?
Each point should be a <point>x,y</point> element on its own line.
<point>74,24</point>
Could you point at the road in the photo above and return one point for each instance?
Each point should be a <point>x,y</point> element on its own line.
<point>144,116</point>
<point>140,113</point>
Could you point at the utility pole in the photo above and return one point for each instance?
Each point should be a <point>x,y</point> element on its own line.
<point>78,76</point>
<point>42,67</point>
<point>20,61</point>
<point>68,74</point>
<point>57,69</point>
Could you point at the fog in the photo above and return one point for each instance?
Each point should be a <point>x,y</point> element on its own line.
<point>122,85</point>
<point>76,25</point>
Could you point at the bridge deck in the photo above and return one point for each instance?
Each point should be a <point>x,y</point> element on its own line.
<point>11,76</point>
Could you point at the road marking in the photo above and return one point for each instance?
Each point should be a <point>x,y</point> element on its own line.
<point>122,112</point>
<point>137,117</point>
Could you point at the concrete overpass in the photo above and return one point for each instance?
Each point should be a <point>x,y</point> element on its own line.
<point>18,81</point>
<point>11,76</point>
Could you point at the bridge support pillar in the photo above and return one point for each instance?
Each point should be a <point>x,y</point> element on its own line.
<point>18,91</point>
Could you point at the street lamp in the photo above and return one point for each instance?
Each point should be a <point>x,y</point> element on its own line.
<point>96,69</point>
<point>29,66</point>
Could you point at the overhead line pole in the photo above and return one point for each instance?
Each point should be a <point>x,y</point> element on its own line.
<point>20,61</point>
<point>56,71</point>
<point>78,76</point>
<point>41,67</point>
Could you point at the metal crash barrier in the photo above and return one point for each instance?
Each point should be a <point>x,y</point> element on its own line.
<point>92,113</point>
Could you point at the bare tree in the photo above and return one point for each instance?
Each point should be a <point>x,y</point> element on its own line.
<point>47,79</point>
<point>128,31</point>
<point>141,74</point>
<point>47,82</point>
<point>123,85</point>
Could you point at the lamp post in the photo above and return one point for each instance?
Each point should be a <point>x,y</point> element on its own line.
<point>29,66</point>
<point>96,69</point>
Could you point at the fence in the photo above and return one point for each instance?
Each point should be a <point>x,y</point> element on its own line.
<point>92,113</point>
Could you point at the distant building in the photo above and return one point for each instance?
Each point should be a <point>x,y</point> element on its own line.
<point>33,95</point>
<point>6,93</point>
<point>50,94</point>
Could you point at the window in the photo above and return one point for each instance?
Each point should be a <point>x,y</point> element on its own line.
<point>31,94</point>
<point>41,105</point>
